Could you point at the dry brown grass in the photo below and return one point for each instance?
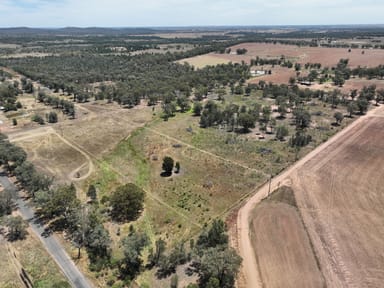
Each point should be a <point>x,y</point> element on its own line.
<point>8,272</point>
<point>30,255</point>
<point>204,60</point>
<point>55,157</point>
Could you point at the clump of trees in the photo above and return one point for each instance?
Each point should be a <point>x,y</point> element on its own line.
<point>214,261</point>
<point>67,107</point>
<point>210,258</point>
<point>127,202</point>
<point>8,97</point>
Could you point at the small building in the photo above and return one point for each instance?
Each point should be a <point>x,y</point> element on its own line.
<point>306,83</point>
<point>255,73</point>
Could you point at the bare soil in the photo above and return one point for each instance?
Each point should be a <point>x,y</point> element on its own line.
<point>340,196</point>
<point>328,57</point>
<point>282,247</point>
<point>337,188</point>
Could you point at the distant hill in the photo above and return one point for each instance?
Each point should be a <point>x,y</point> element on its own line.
<point>71,31</point>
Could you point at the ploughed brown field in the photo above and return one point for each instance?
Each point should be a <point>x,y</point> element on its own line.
<point>341,197</point>
<point>283,250</point>
<point>339,222</point>
<point>328,57</point>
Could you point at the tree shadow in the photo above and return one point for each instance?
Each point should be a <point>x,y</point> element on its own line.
<point>166,174</point>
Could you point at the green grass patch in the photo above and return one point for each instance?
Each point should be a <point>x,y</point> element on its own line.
<point>283,194</point>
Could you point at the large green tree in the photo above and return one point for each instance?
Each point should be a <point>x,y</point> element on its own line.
<point>218,265</point>
<point>127,202</point>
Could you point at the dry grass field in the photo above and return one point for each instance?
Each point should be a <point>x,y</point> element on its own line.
<point>30,255</point>
<point>68,150</point>
<point>204,60</point>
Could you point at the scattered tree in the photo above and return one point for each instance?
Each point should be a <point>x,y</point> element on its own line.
<point>91,193</point>
<point>16,228</point>
<point>351,108</point>
<point>218,267</point>
<point>338,117</point>
<point>177,167</point>
<point>167,165</point>
<point>133,246</point>
<point>197,108</point>
<point>247,121</point>
<point>6,202</point>
<point>281,132</point>
<point>127,202</point>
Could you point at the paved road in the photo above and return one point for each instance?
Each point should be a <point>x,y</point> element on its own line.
<point>74,276</point>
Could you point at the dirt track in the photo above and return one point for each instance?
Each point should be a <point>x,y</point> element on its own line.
<point>249,273</point>
<point>47,130</point>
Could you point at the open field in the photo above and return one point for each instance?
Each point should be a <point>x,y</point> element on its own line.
<point>204,60</point>
<point>328,57</point>
<point>66,150</point>
<point>282,247</point>
<point>55,157</point>
<point>334,211</point>
<point>339,193</point>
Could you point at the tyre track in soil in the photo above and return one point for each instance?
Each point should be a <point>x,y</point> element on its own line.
<point>38,132</point>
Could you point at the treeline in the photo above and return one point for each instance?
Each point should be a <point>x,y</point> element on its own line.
<point>152,77</point>
<point>8,96</point>
<point>67,107</point>
<point>370,73</point>
<point>71,70</point>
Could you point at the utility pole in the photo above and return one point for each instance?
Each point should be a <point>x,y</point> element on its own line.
<point>270,181</point>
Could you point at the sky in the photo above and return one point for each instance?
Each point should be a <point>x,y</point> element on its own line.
<point>149,13</point>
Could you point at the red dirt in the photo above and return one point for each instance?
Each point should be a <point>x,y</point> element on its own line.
<point>328,57</point>
<point>282,248</point>
<point>339,193</point>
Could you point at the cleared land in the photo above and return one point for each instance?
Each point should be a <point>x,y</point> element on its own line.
<point>326,56</point>
<point>343,217</point>
<point>204,60</point>
<point>277,232</point>
<point>339,193</point>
